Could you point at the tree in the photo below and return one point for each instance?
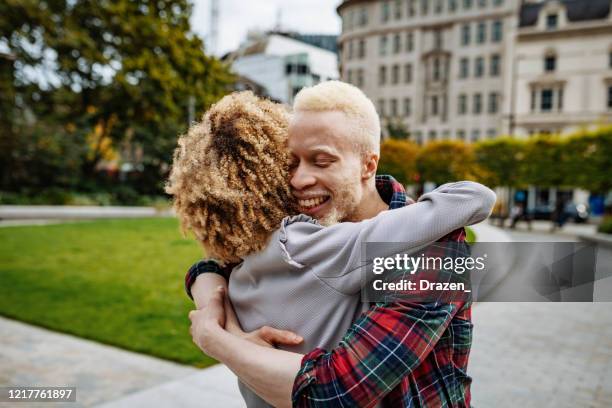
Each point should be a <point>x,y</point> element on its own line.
<point>444,161</point>
<point>500,162</point>
<point>398,158</point>
<point>589,160</point>
<point>545,162</point>
<point>117,72</point>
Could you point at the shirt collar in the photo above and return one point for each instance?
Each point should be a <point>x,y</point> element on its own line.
<point>391,191</point>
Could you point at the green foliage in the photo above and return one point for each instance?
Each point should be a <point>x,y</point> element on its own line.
<point>589,160</point>
<point>119,82</point>
<point>131,296</point>
<point>398,158</point>
<point>606,225</point>
<point>500,161</point>
<point>446,160</point>
<point>545,163</point>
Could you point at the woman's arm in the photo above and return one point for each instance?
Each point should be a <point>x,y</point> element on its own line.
<point>337,250</point>
<point>269,372</point>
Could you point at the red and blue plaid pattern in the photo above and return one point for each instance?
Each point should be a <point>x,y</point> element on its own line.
<point>399,354</point>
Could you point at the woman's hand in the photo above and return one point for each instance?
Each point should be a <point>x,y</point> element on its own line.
<point>208,321</point>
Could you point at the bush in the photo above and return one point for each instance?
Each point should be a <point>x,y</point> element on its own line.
<point>606,225</point>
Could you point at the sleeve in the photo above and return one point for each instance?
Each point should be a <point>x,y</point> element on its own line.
<point>204,266</point>
<point>383,346</point>
<point>337,250</point>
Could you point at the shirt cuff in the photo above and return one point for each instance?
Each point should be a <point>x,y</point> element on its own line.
<point>305,377</point>
<point>204,266</point>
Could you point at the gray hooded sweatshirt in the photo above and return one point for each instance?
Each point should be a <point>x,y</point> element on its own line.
<point>308,278</point>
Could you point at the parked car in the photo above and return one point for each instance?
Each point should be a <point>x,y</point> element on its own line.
<point>575,212</point>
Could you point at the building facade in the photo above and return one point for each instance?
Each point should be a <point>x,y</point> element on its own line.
<point>466,69</point>
<point>281,65</point>
<point>563,79</point>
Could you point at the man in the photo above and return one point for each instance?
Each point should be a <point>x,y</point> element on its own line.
<point>398,354</point>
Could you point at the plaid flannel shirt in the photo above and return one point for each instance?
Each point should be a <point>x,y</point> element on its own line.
<point>398,354</point>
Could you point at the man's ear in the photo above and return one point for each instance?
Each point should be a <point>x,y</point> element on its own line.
<point>370,165</point>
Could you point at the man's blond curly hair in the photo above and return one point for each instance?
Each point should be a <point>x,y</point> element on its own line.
<point>229,177</point>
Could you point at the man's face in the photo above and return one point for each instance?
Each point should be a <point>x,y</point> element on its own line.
<point>326,170</point>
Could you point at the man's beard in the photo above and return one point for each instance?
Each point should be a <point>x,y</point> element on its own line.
<point>345,202</point>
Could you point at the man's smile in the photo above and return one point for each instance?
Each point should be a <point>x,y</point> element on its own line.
<point>312,205</point>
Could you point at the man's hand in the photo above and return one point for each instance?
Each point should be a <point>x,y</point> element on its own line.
<point>269,336</point>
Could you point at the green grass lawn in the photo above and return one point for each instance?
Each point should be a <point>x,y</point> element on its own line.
<point>118,282</point>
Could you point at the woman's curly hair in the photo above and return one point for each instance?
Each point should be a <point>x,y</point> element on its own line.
<point>229,177</point>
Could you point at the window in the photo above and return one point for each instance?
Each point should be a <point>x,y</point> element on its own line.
<point>546,100</point>
<point>381,107</point>
<point>465,34</point>
<point>436,69</point>
<point>418,137</point>
<point>350,50</point>
<point>384,16</point>
<point>477,104</point>
<point>409,42</point>
<point>360,81</point>
<point>395,74</point>
<point>363,17</point>
<point>491,133</point>
<point>349,76</point>
<point>560,99</point>
<point>533,100</point>
<point>452,5</point>
<point>550,63</point>
<point>434,106</point>
<point>481,34</point>
<point>361,49</point>
<point>610,59</point>
<point>398,9</point>
<point>433,135</point>
<point>439,6</point>
<point>551,21</point>
<point>493,102</point>
<point>609,96</point>
<point>467,4</point>
<point>382,75</point>
<point>461,134</point>
<point>407,107</point>
<point>464,68</point>
<point>462,104</point>
<point>394,108</point>
<point>482,3</point>
<point>397,46</point>
<point>411,9</point>
<point>424,7</point>
<point>438,39</point>
<point>479,67</point>
<point>382,45</point>
<point>497,31</point>
<point>498,2</point>
<point>408,73</point>
<point>475,135</point>
<point>494,69</point>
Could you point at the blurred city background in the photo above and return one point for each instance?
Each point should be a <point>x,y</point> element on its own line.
<point>93,95</point>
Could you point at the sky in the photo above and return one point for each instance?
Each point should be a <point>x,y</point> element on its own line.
<point>236,17</point>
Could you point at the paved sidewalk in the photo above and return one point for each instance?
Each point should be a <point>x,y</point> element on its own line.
<point>542,355</point>
<point>34,356</point>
